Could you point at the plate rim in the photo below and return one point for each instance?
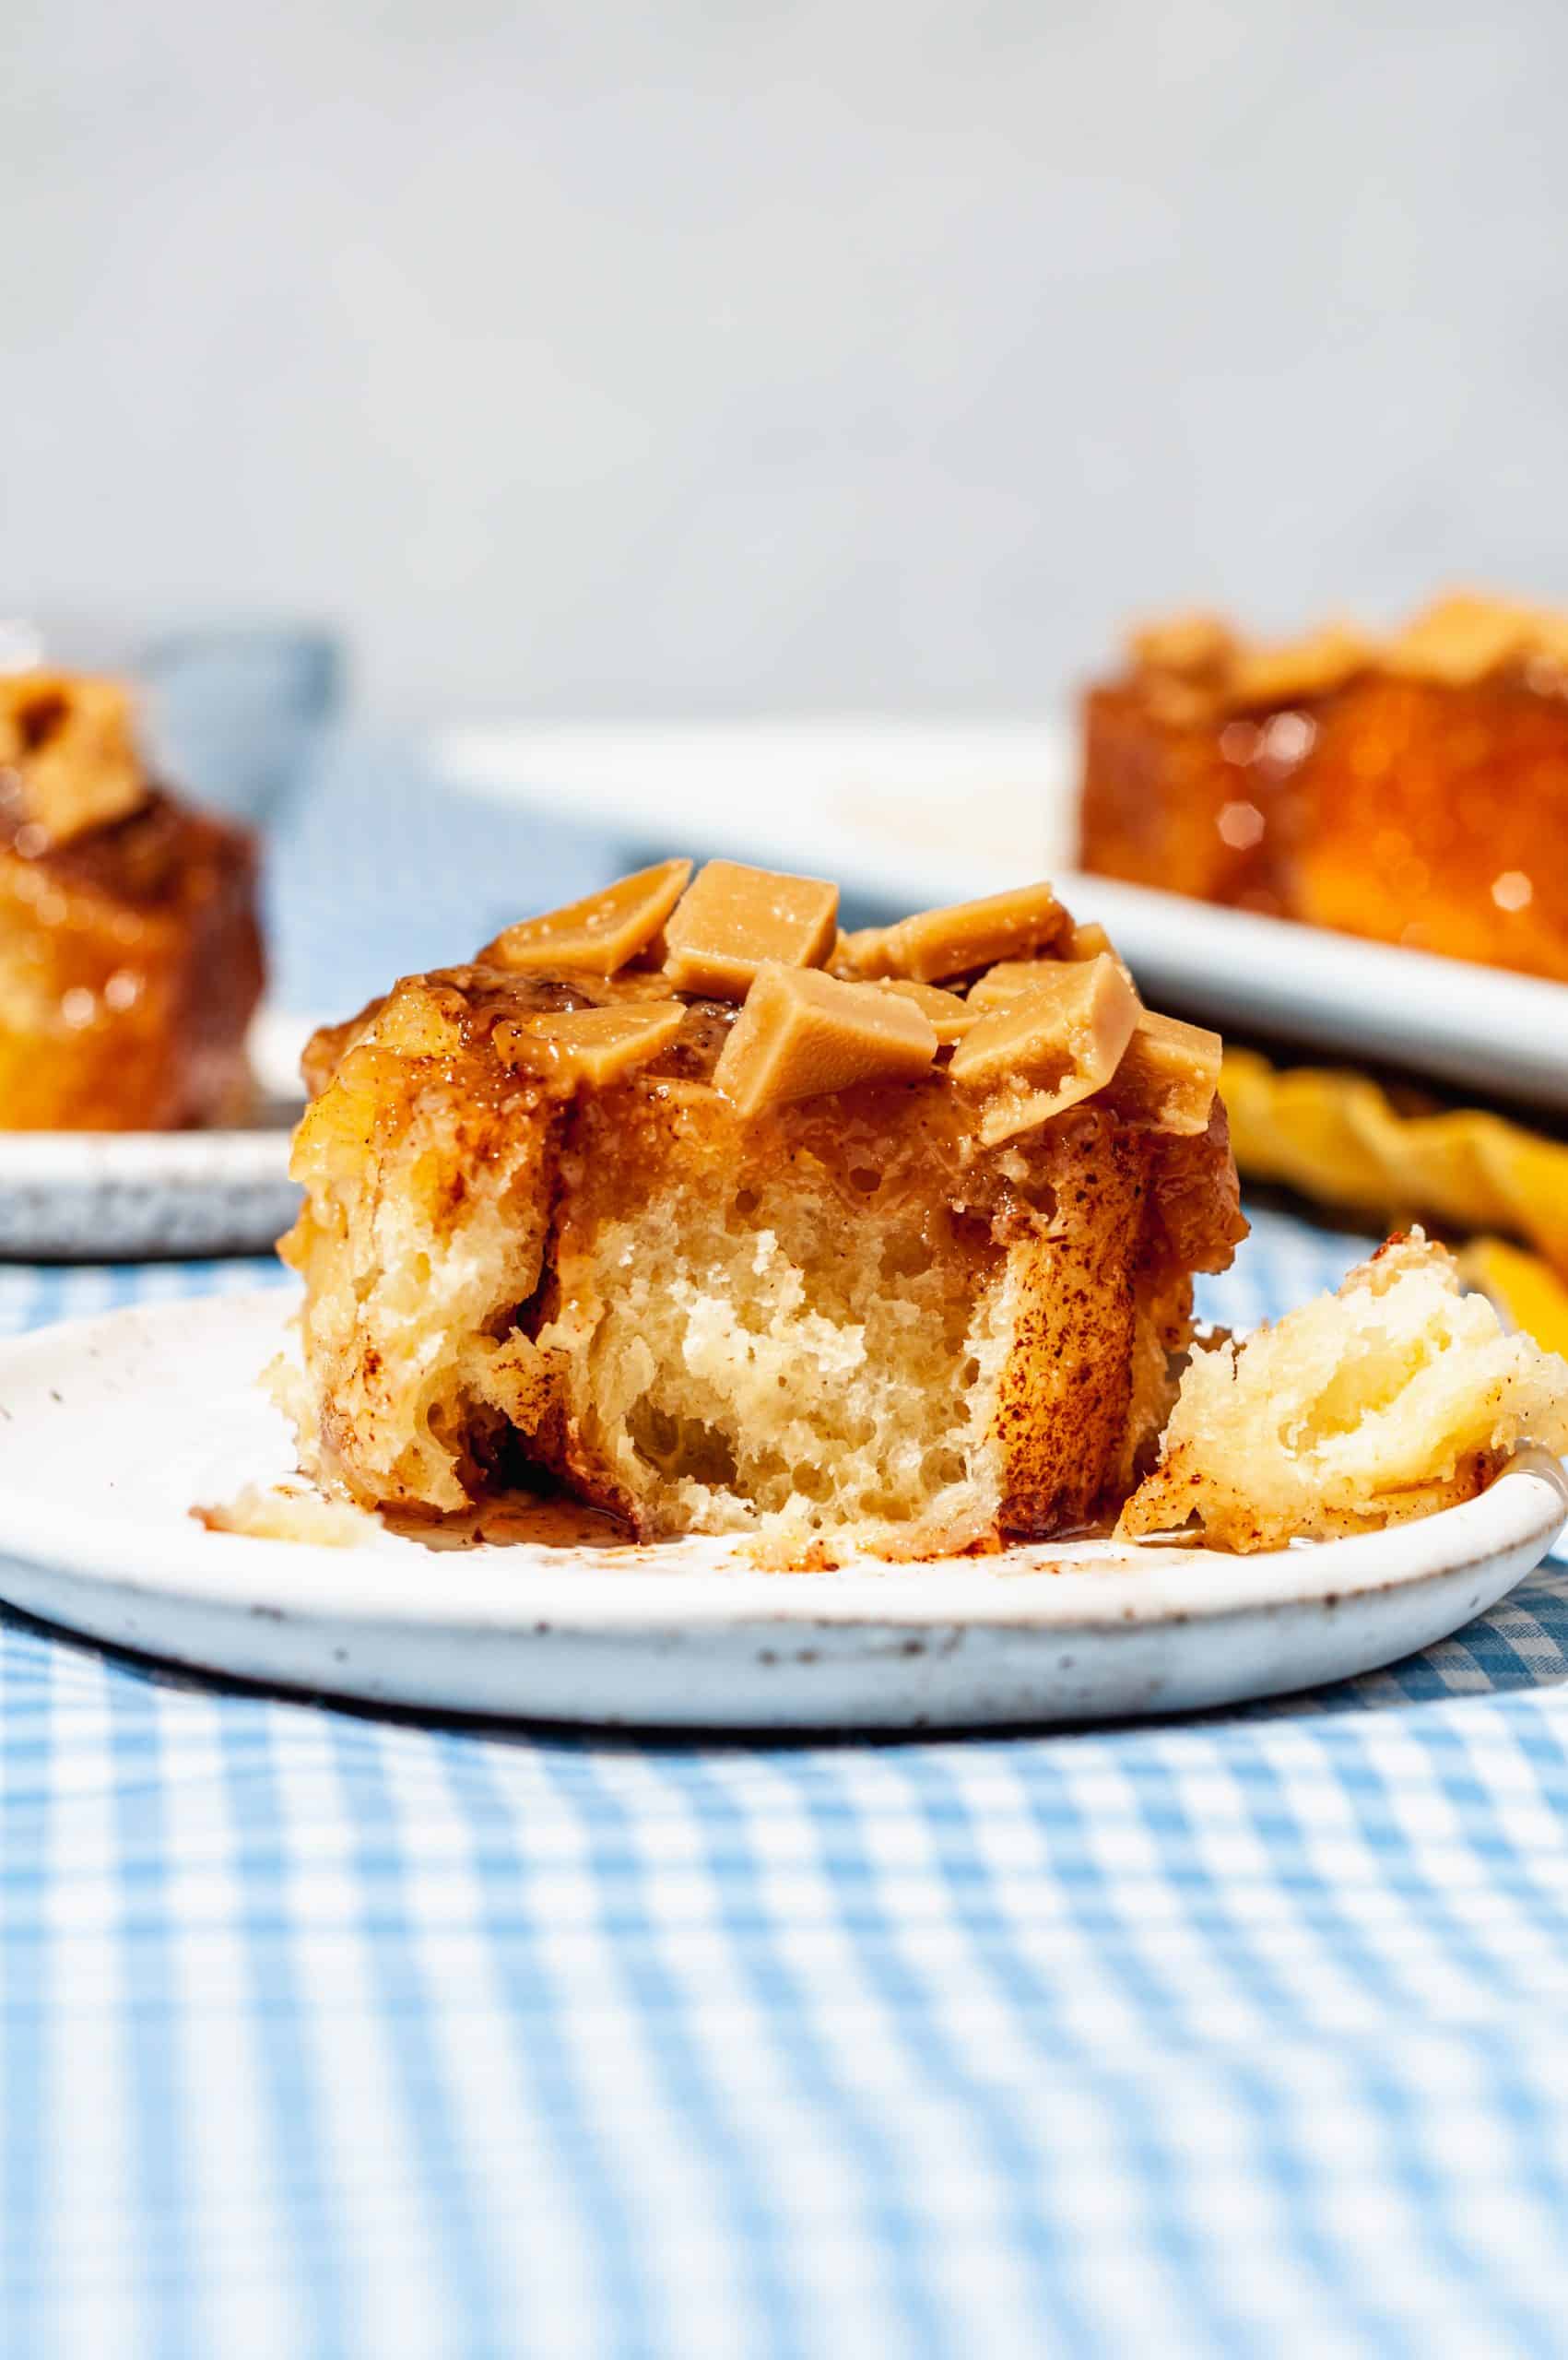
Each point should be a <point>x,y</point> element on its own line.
<point>163,1158</point>
<point>1524,1507</point>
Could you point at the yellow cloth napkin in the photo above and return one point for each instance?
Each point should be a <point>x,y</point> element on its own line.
<point>1528,1294</point>
<point>1338,1139</point>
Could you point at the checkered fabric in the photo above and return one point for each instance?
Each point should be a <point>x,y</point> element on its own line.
<point>327,2032</point>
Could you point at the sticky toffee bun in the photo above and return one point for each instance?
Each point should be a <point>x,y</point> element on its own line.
<point>130,956</point>
<point>1412,787</point>
<point>731,1223</point>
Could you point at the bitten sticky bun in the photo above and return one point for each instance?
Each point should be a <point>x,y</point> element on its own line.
<point>730,1222</point>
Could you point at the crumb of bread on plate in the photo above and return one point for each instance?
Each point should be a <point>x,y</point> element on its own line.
<point>725,1222</point>
<point>1398,1395</point>
<point>289,1511</point>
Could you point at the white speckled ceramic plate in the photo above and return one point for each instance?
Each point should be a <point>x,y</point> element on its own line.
<point>110,1430</point>
<point>117,1196</point>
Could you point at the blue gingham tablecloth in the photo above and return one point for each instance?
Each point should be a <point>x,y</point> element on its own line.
<point>328,2033</point>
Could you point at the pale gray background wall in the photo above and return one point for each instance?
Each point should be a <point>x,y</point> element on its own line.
<point>859,352</point>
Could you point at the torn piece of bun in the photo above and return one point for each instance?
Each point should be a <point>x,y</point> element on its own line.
<point>1396,1396</point>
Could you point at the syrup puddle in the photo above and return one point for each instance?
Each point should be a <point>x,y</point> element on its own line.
<point>541,1522</point>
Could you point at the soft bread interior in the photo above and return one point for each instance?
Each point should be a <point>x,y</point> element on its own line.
<point>764,1358</point>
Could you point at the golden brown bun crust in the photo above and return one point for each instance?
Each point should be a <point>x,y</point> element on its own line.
<point>130,966</point>
<point>1404,810</point>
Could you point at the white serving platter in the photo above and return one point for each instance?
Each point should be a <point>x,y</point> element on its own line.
<point>906,814</point>
<point>115,1196</point>
<point>100,1540</point>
